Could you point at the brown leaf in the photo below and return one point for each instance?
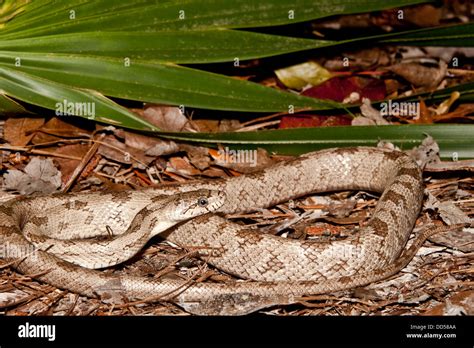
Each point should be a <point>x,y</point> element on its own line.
<point>307,120</point>
<point>152,146</point>
<point>214,173</point>
<point>59,128</point>
<point>360,59</point>
<point>458,240</point>
<point>198,156</point>
<point>420,75</point>
<point>167,118</point>
<point>323,229</point>
<point>181,166</point>
<point>164,147</point>
<point>464,300</point>
<point>38,176</point>
<point>242,160</point>
<point>370,115</point>
<point>423,15</point>
<point>209,126</point>
<point>461,112</point>
<point>225,125</point>
<point>19,131</point>
<point>66,165</point>
<point>340,88</point>
<point>119,152</point>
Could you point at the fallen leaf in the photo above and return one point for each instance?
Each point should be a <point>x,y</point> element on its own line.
<point>363,59</point>
<point>208,126</point>
<point>457,240</point>
<point>68,166</point>
<point>164,147</point>
<point>446,104</point>
<point>198,156</point>
<point>9,298</point>
<point>119,152</point>
<point>167,118</point>
<point>420,75</point>
<point>452,215</point>
<point>152,146</point>
<point>19,131</point>
<point>182,167</point>
<point>370,115</point>
<point>302,75</point>
<point>427,152</point>
<point>214,173</point>
<point>39,176</point>
<point>447,53</point>
<point>461,112</point>
<point>392,86</point>
<point>59,128</point>
<point>242,160</point>
<point>423,15</point>
<point>302,120</point>
<point>339,88</point>
<point>459,303</point>
<point>323,229</point>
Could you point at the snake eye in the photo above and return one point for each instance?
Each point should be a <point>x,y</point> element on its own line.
<point>202,202</point>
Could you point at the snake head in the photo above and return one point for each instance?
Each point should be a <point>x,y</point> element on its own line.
<point>195,203</point>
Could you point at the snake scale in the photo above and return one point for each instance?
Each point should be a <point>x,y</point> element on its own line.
<point>275,270</point>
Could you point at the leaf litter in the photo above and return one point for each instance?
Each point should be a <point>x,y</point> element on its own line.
<point>438,281</point>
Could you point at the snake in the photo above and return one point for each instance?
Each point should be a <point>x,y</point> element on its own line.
<point>83,249</point>
<point>272,270</point>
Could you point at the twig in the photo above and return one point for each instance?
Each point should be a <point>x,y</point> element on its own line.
<point>269,117</point>
<point>82,165</point>
<point>258,126</point>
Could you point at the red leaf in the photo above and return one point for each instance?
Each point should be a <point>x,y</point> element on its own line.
<point>304,121</point>
<point>339,88</point>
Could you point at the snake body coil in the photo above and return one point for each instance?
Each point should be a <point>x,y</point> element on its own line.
<point>280,270</point>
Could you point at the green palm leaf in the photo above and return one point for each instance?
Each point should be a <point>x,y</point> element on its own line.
<point>455,141</point>
<point>130,50</point>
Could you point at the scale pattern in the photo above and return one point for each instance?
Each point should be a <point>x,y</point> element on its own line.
<point>279,270</point>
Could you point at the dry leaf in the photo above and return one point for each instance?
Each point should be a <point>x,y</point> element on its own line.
<point>167,118</point>
<point>214,173</point>
<point>210,126</point>
<point>420,75</point>
<point>461,112</point>
<point>38,176</point>
<point>423,15</point>
<point>460,303</point>
<point>451,214</point>
<point>19,131</point>
<point>301,75</point>
<point>59,128</point>
<point>242,160</point>
<point>9,298</point>
<point>152,146</point>
<point>370,115</point>
<point>164,147</point>
<point>182,166</point>
<point>427,152</point>
<point>119,152</point>
<point>457,240</point>
<point>68,166</point>
<point>198,156</point>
